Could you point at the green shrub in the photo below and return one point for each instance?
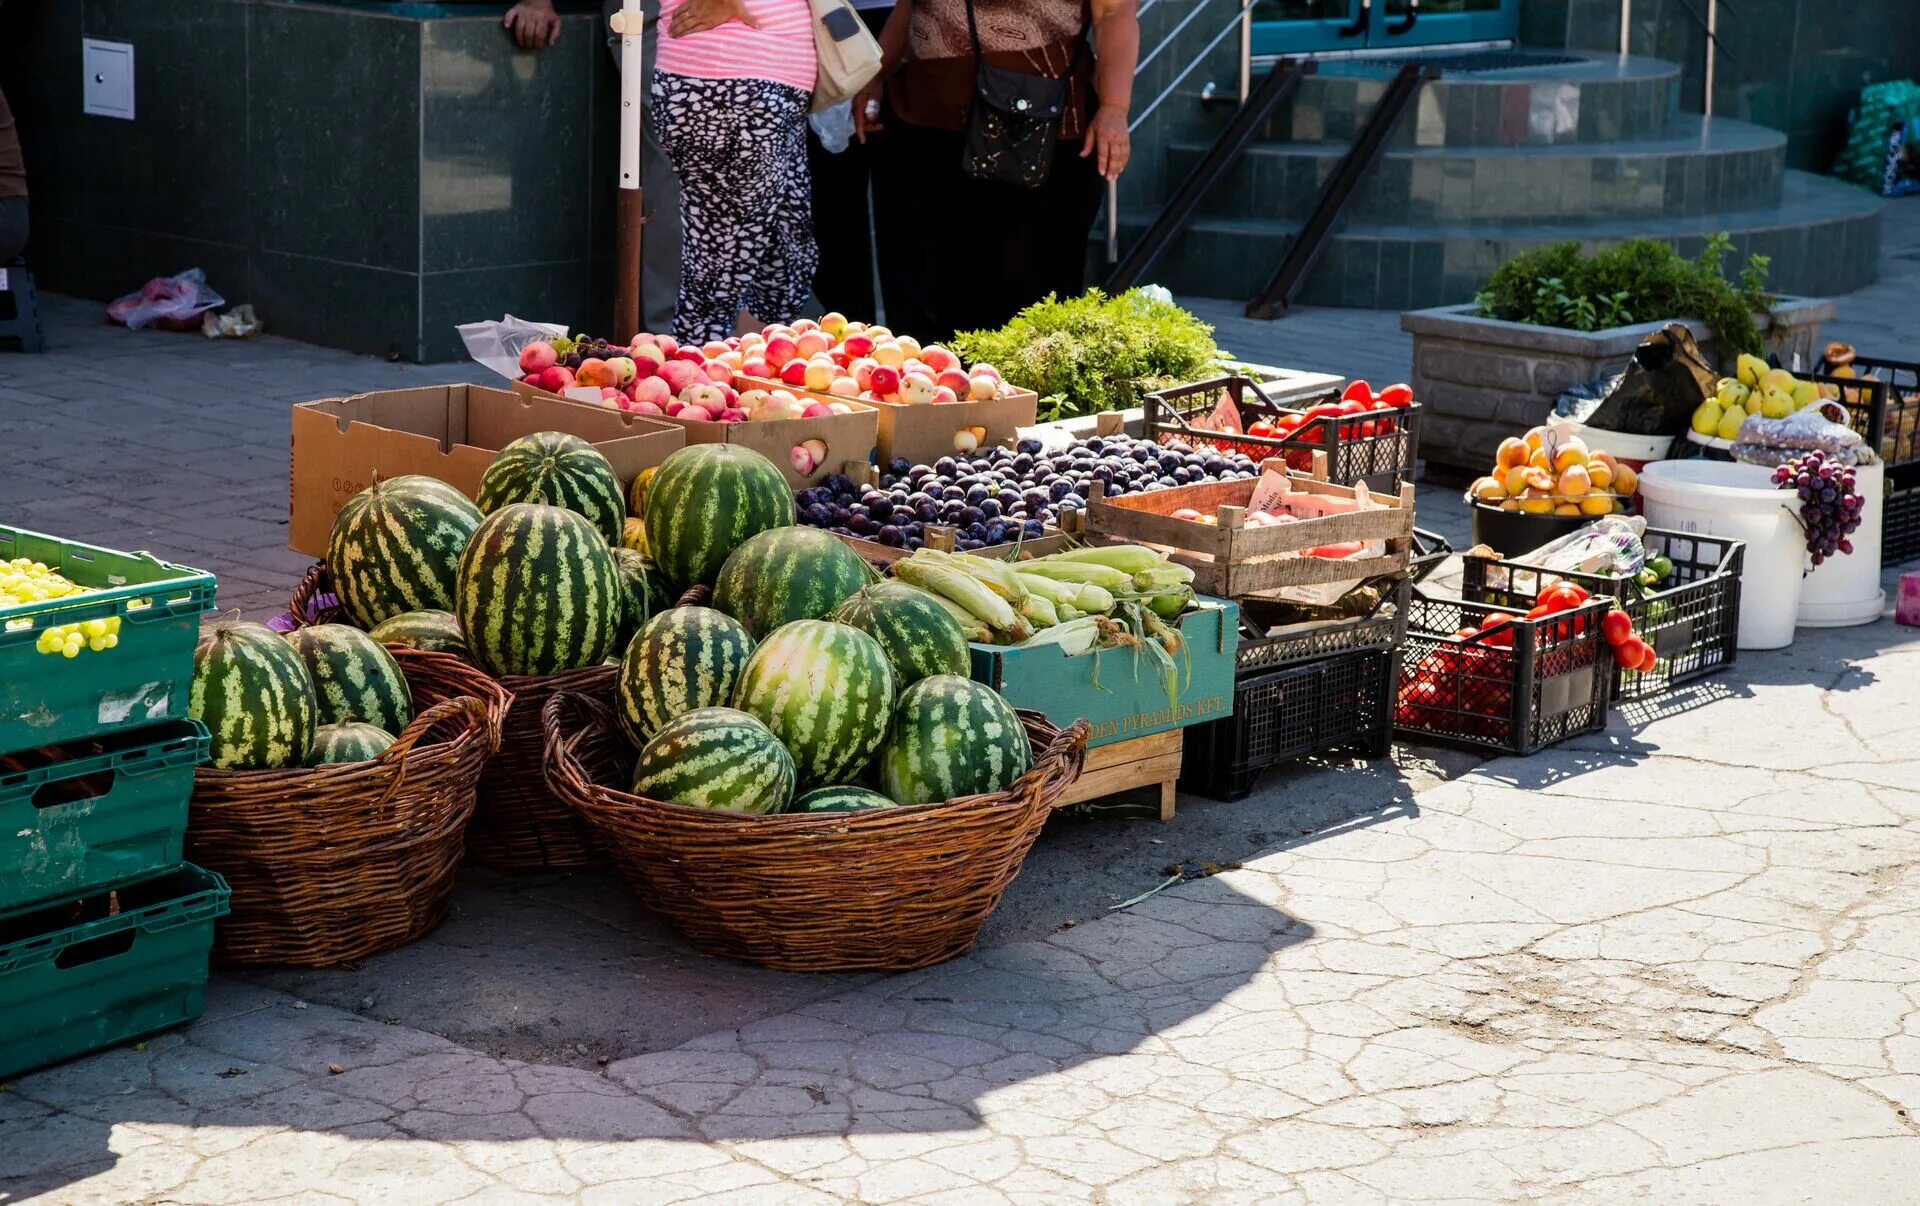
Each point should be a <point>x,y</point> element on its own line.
<point>1093,352</point>
<point>1642,280</point>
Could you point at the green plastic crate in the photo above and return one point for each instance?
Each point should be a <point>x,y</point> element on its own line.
<point>95,811</point>
<point>1119,691</point>
<point>46,699</point>
<point>77,976</point>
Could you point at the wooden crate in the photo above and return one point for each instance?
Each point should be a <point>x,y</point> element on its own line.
<point>1232,560</point>
<point>1152,761</point>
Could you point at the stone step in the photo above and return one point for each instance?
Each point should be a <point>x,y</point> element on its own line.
<point>1823,237</point>
<point>1600,98</point>
<point>1705,164</point>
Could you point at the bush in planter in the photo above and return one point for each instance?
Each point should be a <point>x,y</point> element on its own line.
<point>1093,352</point>
<point>1642,280</point>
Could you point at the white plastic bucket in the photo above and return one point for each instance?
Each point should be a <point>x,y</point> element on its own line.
<point>1845,589</point>
<point>1739,502</point>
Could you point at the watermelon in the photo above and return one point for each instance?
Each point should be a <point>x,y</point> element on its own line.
<point>788,574</point>
<point>539,592</point>
<point>351,741</point>
<point>716,758</point>
<point>396,547</point>
<point>826,691</point>
<point>633,534</point>
<point>705,501</point>
<point>637,492</point>
<point>920,636</point>
<point>252,691</point>
<point>839,799</point>
<point>952,737</point>
<point>643,593</point>
<point>436,631</point>
<point>354,677</point>
<point>559,470</point>
<point>682,659</point>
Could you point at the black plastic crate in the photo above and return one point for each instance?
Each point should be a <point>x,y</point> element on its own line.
<point>1380,448</point>
<point>1885,410</point>
<point>1691,621</point>
<point>1549,684</point>
<point>1266,647</point>
<point>1900,521</point>
<point>1312,707</point>
<point>1429,550</point>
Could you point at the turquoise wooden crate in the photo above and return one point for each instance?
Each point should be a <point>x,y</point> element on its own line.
<point>1119,691</point>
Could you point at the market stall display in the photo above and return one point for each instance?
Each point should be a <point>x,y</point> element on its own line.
<point>1367,435</point>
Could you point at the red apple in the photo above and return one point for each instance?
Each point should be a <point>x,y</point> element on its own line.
<point>555,380</point>
<point>644,407</point>
<point>794,372</point>
<point>780,350</point>
<point>717,370</point>
<point>695,413</point>
<point>942,393</point>
<point>858,345</point>
<point>938,358</point>
<point>537,357</point>
<point>651,391</point>
<point>884,380</point>
<point>756,366</point>
<point>694,355</point>
<point>954,380</point>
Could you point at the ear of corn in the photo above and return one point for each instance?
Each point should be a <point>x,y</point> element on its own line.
<point>998,576</point>
<point>962,588</point>
<point>1131,558</point>
<point>1091,596</point>
<point>1039,611</point>
<point>1077,636</point>
<point>1079,571</point>
<point>1163,577</point>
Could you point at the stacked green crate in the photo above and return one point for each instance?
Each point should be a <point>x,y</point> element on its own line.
<point>104,931</point>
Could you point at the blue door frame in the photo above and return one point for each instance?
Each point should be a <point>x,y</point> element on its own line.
<point>1384,25</point>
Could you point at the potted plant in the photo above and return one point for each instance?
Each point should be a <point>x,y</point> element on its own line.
<point>1553,317</point>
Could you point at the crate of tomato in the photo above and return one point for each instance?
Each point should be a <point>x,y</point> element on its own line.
<point>1368,436</point>
<point>1503,678</point>
<point>1682,604</point>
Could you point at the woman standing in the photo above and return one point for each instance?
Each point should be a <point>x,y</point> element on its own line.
<point>961,252</point>
<point>729,97</point>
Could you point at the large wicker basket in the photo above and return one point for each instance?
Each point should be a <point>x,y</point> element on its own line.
<point>335,863</point>
<point>882,890</point>
<point>517,824</point>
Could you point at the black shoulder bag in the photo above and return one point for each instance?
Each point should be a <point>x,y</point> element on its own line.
<point>1013,124</point>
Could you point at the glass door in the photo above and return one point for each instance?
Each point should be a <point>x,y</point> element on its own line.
<point>1306,27</point>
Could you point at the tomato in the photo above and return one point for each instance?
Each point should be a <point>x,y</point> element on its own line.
<point>1616,627</point>
<point>1499,630</point>
<point>1369,428</point>
<point>1397,394</point>
<point>1563,596</point>
<point>1262,427</point>
<point>1539,611</point>
<point>1650,660</point>
<point>1357,391</point>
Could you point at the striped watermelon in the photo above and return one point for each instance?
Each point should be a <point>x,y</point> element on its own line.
<point>682,659</point>
<point>716,758</point>
<point>437,631</point>
<point>643,593</point>
<point>839,799</point>
<point>952,737</point>
<point>351,741</point>
<point>826,691</point>
<point>253,693</point>
<point>705,501</point>
<point>788,574</point>
<point>396,547</point>
<point>633,534</point>
<point>637,492</point>
<point>559,470</point>
<point>354,677</point>
<point>921,637</point>
<point>539,592</point>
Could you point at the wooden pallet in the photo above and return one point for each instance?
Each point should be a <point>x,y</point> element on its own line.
<point>1138,763</point>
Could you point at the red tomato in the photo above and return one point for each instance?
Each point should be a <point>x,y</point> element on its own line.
<point>1616,627</point>
<point>1369,428</point>
<point>1357,391</point>
<point>1650,660</point>
<point>1320,410</point>
<point>1397,394</point>
<point>1539,611</point>
<point>1562,596</point>
<point>1631,652</point>
<point>1499,630</point>
<point>1261,427</point>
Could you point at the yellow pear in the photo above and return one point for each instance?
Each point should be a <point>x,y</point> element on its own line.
<point>1487,489</point>
<point>1776,405</point>
<point>1804,393</point>
<point>1750,369</point>
<point>1730,423</point>
<point>1779,379</point>
<point>1574,481</point>
<point>1731,393</point>
<point>1706,418</point>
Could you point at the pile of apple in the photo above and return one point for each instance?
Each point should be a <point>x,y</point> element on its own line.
<point>858,361</point>
<point>1545,473</point>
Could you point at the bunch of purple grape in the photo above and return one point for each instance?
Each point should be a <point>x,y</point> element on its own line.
<point>1829,505</point>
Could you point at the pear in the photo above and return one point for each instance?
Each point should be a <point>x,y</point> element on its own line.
<point>1706,418</point>
<point>1804,393</point>
<point>1779,379</point>
<point>1730,423</point>
<point>1776,405</point>
<point>1731,393</point>
<point>1750,368</point>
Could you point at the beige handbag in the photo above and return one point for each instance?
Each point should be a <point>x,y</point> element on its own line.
<point>848,55</point>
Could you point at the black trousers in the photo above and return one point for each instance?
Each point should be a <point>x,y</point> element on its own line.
<point>13,227</point>
<point>960,254</point>
<point>842,219</point>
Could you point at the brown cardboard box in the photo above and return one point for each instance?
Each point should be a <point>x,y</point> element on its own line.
<point>451,432</point>
<point>924,434</point>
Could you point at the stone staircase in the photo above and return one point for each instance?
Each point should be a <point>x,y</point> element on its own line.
<point>1493,161</point>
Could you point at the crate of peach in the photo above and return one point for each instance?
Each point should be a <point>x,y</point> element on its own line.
<point>929,404</point>
<point>805,435</point>
<point>1280,533</point>
<point>1544,485</point>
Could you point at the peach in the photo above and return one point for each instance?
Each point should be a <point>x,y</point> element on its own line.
<point>537,357</point>
<point>1626,482</point>
<point>956,381</point>
<point>811,343</point>
<point>1510,453</point>
<point>593,371</point>
<point>1567,508</point>
<point>1574,481</point>
<point>1597,504</point>
<point>858,345</point>
<point>938,358</point>
<point>1600,474</point>
<point>1571,453</point>
<point>1487,489</point>
<point>780,350</point>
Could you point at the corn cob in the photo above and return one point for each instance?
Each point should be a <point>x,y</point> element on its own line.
<point>962,588</point>
<point>1039,611</point>
<point>1078,571</point>
<point>1132,558</point>
<point>1053,592</point>
<point>1093,597</point>
<point>1076,637</point>
<point>997,575</point>
<point>974,628</point>
<point>1162,578</point>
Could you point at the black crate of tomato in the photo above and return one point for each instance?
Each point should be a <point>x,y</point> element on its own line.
<point>1690,614</point>
<point>1301,689</point>
<point>1377,445</point>
<point>1882,398</point>
<point>1515,688</point>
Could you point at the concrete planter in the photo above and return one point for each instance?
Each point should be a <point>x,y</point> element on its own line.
<point>1482,379</point>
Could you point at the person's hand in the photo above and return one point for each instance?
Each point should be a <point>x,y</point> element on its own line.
<point>866,109</point>
<point>698,16</point>
<point>533,24</point>
<point>1108,141</point>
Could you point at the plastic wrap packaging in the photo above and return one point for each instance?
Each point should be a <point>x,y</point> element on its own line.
<point>1610,545</point>
<point>174,303</point>
<point>1802,431</point>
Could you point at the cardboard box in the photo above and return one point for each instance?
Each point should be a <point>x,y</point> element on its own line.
<point>924,434</point>
<point>451,432</point>
<point>848,437</point>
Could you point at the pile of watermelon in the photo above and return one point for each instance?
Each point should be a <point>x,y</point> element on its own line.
<point>808,686</point>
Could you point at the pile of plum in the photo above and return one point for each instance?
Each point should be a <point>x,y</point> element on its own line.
<point>997,495</point>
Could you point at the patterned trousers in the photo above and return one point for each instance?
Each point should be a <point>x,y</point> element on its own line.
<point>739,148</point>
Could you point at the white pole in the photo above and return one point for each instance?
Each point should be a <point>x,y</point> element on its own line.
<point>627,22</point>
<point>1626,25</point>
<point>1713,24</point>
<point>1246,50</point>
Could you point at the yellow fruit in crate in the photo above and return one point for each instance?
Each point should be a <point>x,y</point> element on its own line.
<point>1776,405</point>
<point>1600,474</point>
<point>1730,423</point>
<point>1487,489</point>
<point>1706,417</point>
<point>1566,508</point>
<point>1779,379</point>
<point>1572,452</point>
<point>1626,483</point>
<point>1804,393</point>
<point>1537,502</point>
<point>1512,451</point>
<point>1597,504</point>
<point>1749,369</point>
<point>1574,482</point>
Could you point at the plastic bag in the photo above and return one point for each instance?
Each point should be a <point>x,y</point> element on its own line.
<point>1801,431</point>
<point>1665,382</point>
<point>173,303</point>
<point>833,126</point>
<point>1610,545</point>
<point>497,344</point>
<point>1577,402</point>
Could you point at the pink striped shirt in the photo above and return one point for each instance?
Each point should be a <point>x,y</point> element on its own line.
<point>781,49</point>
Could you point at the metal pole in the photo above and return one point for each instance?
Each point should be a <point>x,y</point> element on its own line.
<point>1713,23</point>
<point>1113,221</point>
<point>630,215</point>
<point>1246,50</point>
<point>1626,26</point>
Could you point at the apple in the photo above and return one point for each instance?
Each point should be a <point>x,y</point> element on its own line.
<point>833,323</point>
<point>956,381</point>
<point>712,348</point>
<point>819,374</point>
<point>811,343</point>
<point>890,354</point>
<point>840,408</point>
<point>916,365</point>
<point>839,357</point>
<point>802,325</point>
<point>537,357</point>
<point>844,387</point>
<point>651,391</point>
<point>938,358</point>
<point>917,389</point>
<point>647,357</point>
<point>645,407</point>
<point>816,410</point>
<point>984,370</point>
<point>780,350</point>
<point>756,366</point>
<point>624,370</point>
<point>679,374</point>
<point>556,379</point>
<point>774,407</point>
<point>609,396</point>
<point>880,334</point>
<point>695,355</point>
<point>858,344</point>
<point>861,370</point>
<point>673,407</point>
<point>753,399</point>
<point>794,372</point>
<point>695,414</point>
<point>980,389</point>
<point>733,414</point>
<point>943,393</point>
<point>908,344</point>
<point>667,344</point>
<point>717,371</point>
<point>884,379</point>
<point>732,360</point>
<point>707,395</point>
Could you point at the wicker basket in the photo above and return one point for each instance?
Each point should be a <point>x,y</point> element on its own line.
<point>517,824</point>
<point>884,890</point>
<point>335,863</point>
